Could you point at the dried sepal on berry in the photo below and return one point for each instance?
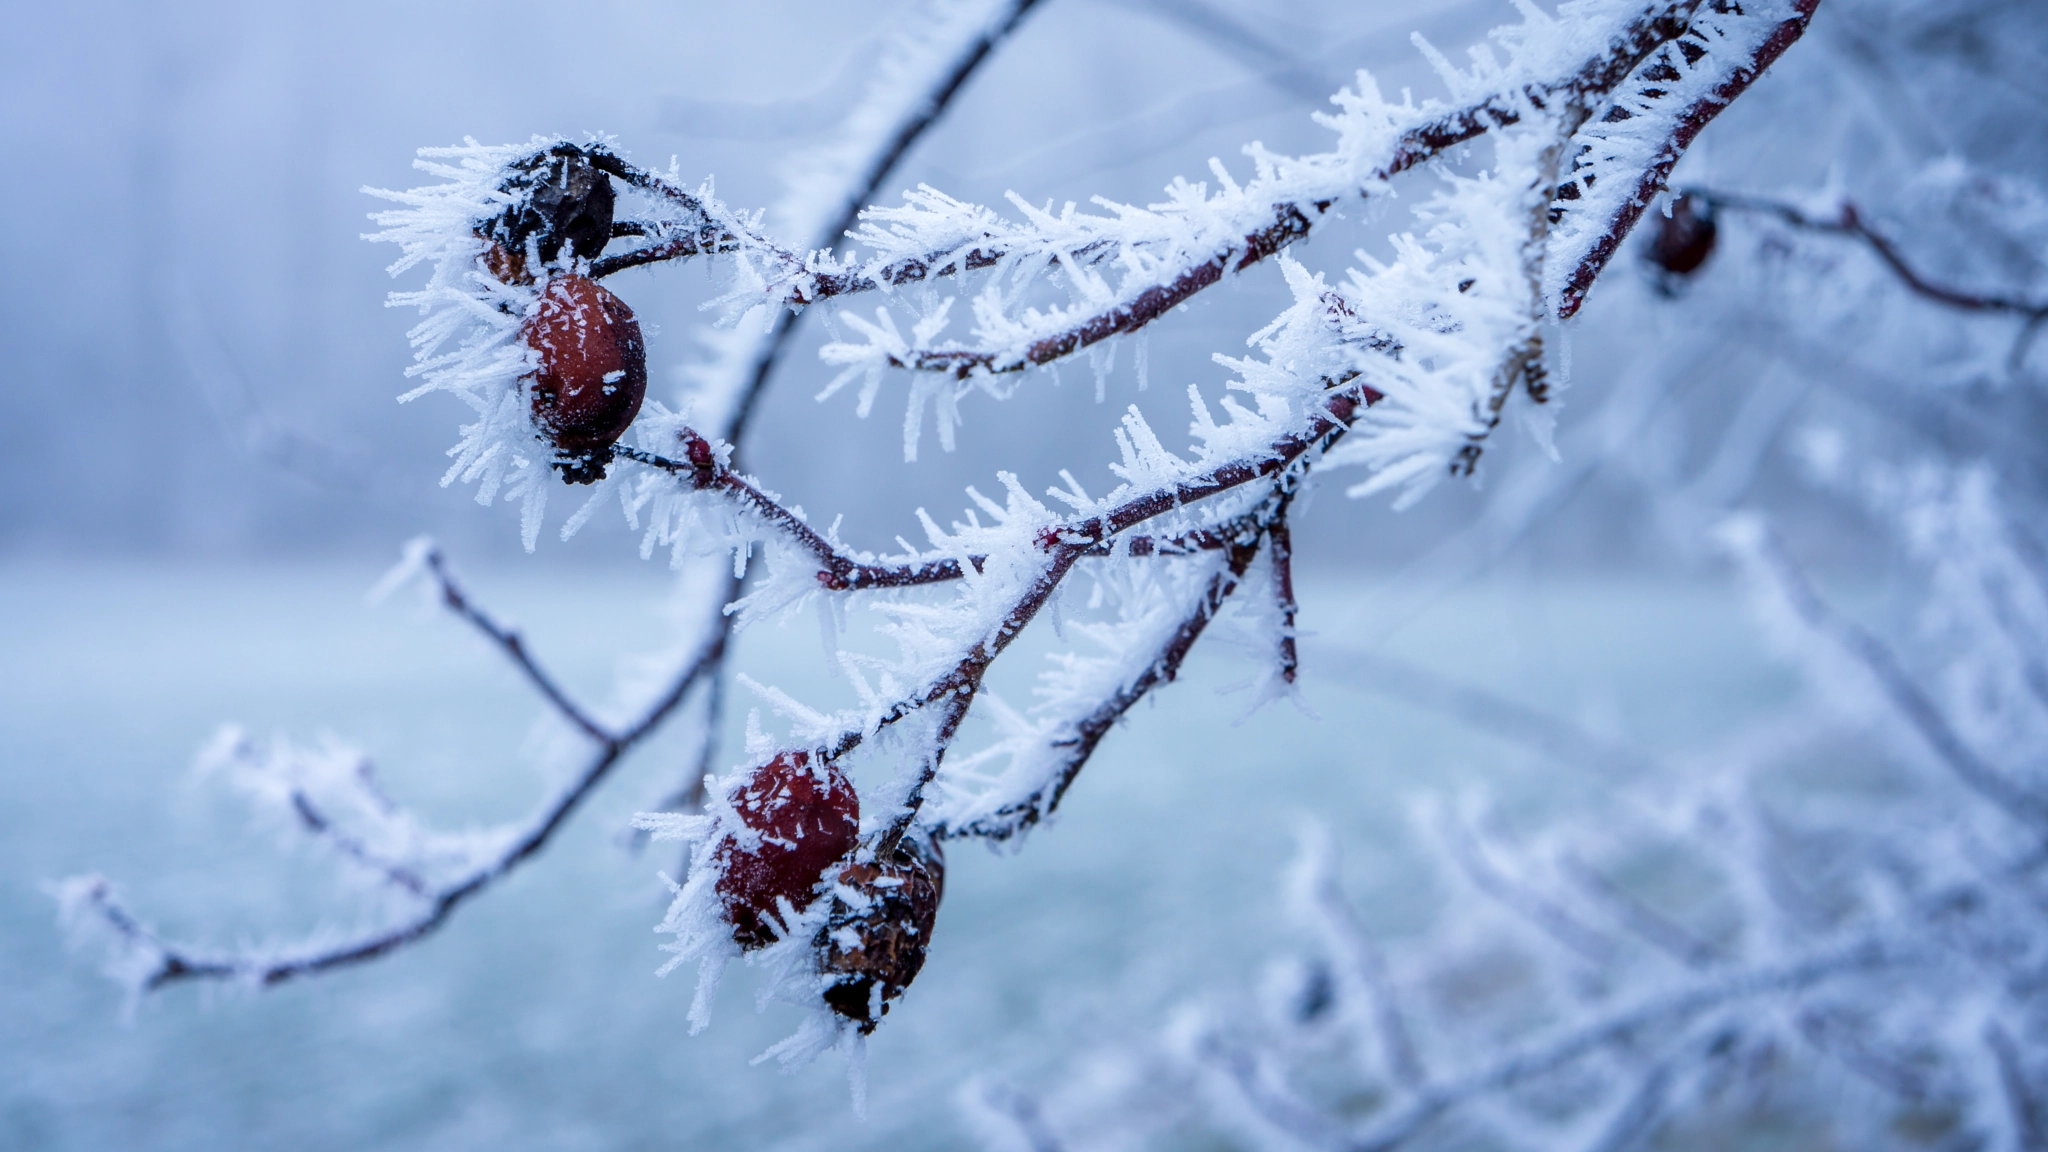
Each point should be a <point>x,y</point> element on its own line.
<point>802,816</point>
<point>592,373</point>
<point>880,928</point>
<point>508,265</point>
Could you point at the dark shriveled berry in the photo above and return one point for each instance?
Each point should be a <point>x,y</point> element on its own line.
<point>592,374</point>
<point>876,940</point>
<point>808,817</point>
<point>558,198</point>
<point>1685,238</point>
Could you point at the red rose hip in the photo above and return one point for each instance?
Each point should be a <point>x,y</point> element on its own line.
<point>1685,238</point>
<point>592,374</point>
<point>807,816</point>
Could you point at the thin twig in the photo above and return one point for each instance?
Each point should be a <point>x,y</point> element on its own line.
<point>1849,221</point>
<point>839,571</point>
<point>907,134</point>
<point>1080,745</point>
<point>1304,1125</point>
<point>1397,1040</point>
<point>176,962</point>
<point>317,823</point>
<point>514,646</point>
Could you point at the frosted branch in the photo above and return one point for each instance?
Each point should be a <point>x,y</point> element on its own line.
<point>167,961</point>
<point>1849,222</point>
<point>1628,152</point>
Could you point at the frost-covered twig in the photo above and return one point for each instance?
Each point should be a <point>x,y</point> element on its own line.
<point>892,128</point>
<point>1074,746</point>
<point>1679,1008</point>
<point>1849,222</point>
<point>1466,849</point>
<point>1646,923</point>
<point>1280,546</point>
<point>1169,253</point>
<point>1594,210</point>
<point>318,823</point>
<point>1356,957</point>
<point>1049,556</point>
<point>163,961</point>
<point>703,468</point>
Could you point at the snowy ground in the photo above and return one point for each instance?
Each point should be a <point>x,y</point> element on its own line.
<point>534,1020</point>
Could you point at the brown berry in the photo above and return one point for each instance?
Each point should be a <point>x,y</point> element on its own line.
<point>807,816</point>
<point>592,374</point>
<point>1685,238</point>
<point>876,941</point>
<point>557,197</point>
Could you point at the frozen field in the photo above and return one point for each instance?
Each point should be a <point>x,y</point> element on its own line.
<point>533,1020</point>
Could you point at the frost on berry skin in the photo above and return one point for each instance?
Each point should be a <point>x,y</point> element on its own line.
<point>592,374</point>
<point>880,929</point>
<point>804,817</point>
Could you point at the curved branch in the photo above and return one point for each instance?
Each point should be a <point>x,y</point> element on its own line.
<point>840,571</point>
<point>175,962</point>
<point>907,133</point>
<point>1849,222</point>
